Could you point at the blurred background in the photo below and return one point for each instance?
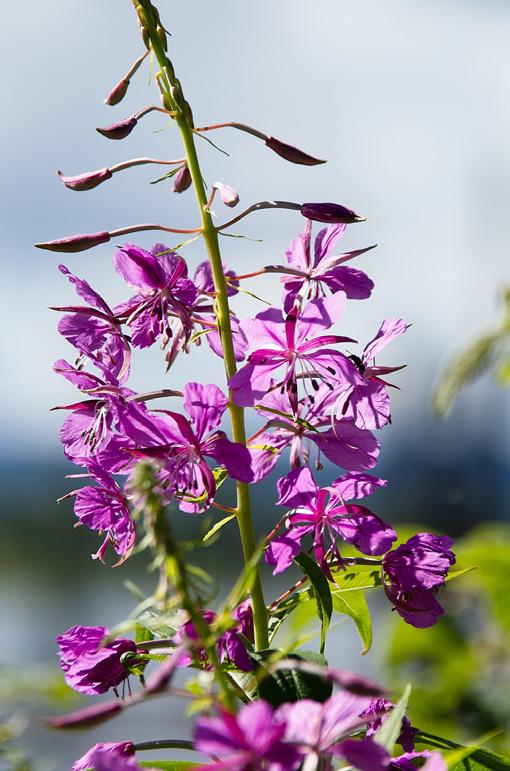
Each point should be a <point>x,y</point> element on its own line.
<point>409,104</point>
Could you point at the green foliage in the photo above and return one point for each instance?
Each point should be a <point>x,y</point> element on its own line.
<point>459,667</point>
<point>321,593</point>
<point>488,351</point>
<point>390,730</point>
<point>354,604</point>
<point>459,758</point>
<point>290,685</point>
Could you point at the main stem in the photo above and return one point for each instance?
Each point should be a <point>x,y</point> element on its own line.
<point>222,309</point>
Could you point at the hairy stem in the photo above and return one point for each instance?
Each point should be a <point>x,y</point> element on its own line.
<point>174,100</point>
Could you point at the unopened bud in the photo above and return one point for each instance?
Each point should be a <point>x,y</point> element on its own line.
<point>78,243</point>
<point>87,717</point>
<point>117,93</point>
<point>162,38</point>
<point>86,181</point>
<point>330,213</point>
<point>119,130</point>
<point>228,195</point>
<point>292,154</point>
<point>182,180</point>
<point>166,102</point>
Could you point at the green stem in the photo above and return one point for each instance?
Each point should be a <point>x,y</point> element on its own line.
<point>173,93</point>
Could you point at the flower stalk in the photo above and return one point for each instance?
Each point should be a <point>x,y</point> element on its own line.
<point>171,91</point>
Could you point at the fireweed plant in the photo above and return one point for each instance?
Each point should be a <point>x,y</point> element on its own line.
<point>256,706</point>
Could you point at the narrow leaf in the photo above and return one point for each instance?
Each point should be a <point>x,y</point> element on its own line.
<point>322,593</point>
<point>216,527</point>
<point>484,759</point>
<point>390,730</point>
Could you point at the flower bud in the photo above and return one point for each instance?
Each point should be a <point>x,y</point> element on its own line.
<point>118,92</point>
<point>228,195</point>
<point>87,717</point>
<point>330,213</point>
<point>119,130</point>
<point>182,180</point>
<point>162,38</point>
<point>78,243</point>
<point>292,154</point>
<point>85,181</point>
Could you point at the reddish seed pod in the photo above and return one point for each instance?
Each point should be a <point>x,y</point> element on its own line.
<point>291,153</point>
<point>78,243</point>
<point>85,181</point>
<point>119,130</point>
<point>182,180</point>
<point>330,213</point>
<point>87,717</point>
<point>117,93</point>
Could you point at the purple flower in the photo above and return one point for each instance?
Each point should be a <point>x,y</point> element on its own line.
<point>230,645</point>
<point>88,666</point>
<point>412,575</point>
<point>161,309</point>
<point>367,402</point>
<point>95,331</point>
<point>315,727</point>
<point>204,312</point>
<point>116,756</point>
<point>252,740</point>
<point>96,428</point>
<point>104,508</point>
<point>179,445</point>
<point>291,343</point>
<point>309,276</point>
<point>366,755</point>
<point>345,445</point>
<point>377,712</point>
<point>203,279</point>
<point>323,513</point>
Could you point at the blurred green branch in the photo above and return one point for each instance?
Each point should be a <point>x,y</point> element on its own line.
<point>491,351</point>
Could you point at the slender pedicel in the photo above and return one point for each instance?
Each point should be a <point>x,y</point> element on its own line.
<point>122,128</point>
<point>79,243</point>
<point>91,179</point>
<point>118,92</point>
<point>283,149</point>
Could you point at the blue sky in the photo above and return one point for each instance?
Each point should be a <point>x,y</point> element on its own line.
<point>407,101</point>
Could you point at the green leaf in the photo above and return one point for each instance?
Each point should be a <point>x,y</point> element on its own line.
<point>285,608</point>
<point>503,373</point>
<point>142,633</point>
<point>321,591</point>
<point>356,577</point>
<point>216,527</point>
<point>244,583</point>
<point>290,685</point>
<point>168,175</point>
<point>390,730</point>
<point>458,573</point>
<point>479,757</point>
<point>464,368</point>
<point>354,604</point>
